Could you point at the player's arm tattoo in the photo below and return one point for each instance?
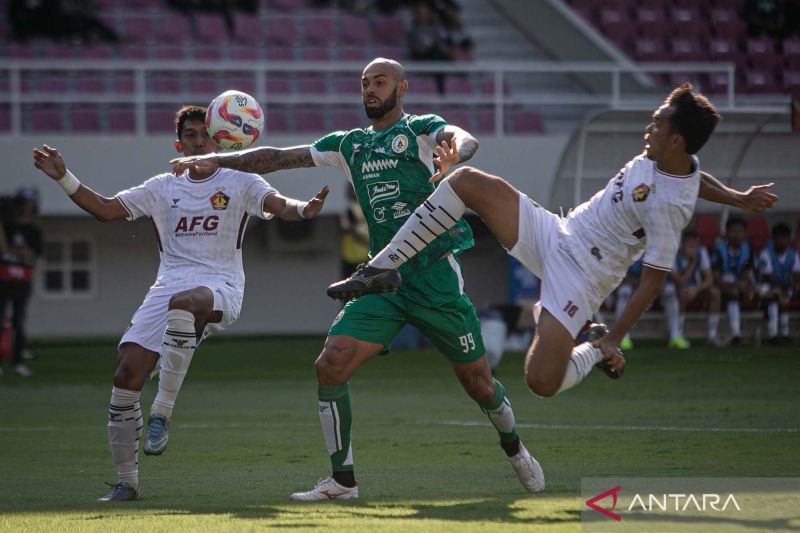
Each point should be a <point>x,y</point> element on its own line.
<point>467,144</point>
<point>267,159</point>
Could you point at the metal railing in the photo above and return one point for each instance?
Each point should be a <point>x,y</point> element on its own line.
<point>499,72</point>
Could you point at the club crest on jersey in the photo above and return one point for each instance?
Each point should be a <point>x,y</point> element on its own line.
<point>220,200</point>
<point>399,143</point>
<point>640,193</point>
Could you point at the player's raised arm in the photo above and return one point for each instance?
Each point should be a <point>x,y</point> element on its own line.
<point>755,199</point>
<point>295,210</point>
<point>261,160</point>
<point>453,146</point>
<point>51,162</point>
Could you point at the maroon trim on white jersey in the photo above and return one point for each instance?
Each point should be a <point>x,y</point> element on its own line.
<point>212,176</point>
<point>242,226</point>
<point>158,236</point>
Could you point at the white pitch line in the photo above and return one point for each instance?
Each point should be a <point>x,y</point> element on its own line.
<point>628,428</point>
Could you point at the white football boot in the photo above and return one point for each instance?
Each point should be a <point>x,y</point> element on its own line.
<point>326,489</point>
<point>528,470</point>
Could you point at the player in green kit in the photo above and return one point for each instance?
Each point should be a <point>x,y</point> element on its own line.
<point>392,167</point>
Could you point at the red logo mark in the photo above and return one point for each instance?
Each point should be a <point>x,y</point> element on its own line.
<point>592,503</point>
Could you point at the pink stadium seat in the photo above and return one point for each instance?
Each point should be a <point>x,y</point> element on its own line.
<point>759,81</point>
<point>164,83</point>
<point>419,84</point>
<point>791,81</point>
<point>121,120</point>
<point>135,51</point>
<point>204,84</point>
<point>614,20</point>
<point>309,120</point>
<point>123,83</point>
<point>59,51</point>
<point>277,85</point>
<point>281,31</point>
<point>280,53</point>
<point>247,28</point>
<point>649,18</point>
<point>5,118</point>
<point>707,227</point>
<point>391,29</point>
<point>391,52</point>
<point>347,86</point>
<point>21,51</point>
<point>485,120</point>
<point>791,52</point>
<point>207,53</point>
<point>684,15</point>
<point>315,53</point>
<point>285,5</point>
<point>175,27</point>
<point>354,30</point>
<point>686,49</point>
<point>96,51</point>
<point>458,116</point>
<point>457,85</point>
<point>276,120</point>
<point>649,49</point>
<point>311,85</point>
<point>160,119</point>
<point>170,53</point>
<point>244,53</point>
<point>527,122</point>
<point>319,31</point>
<point>757,232</point>
<point>343,119</point>
<point>487,86</point>
<point>91,82</point>
<point>726,22</point>
<point>85,119</point>
<point>717,83</point>
<point>239,81</point>
<point>723,49</point>
<point>211,28</point>
<point>43,119</point>
<point>140,28</point>
<point>762,55</point>
<point>352,54</point>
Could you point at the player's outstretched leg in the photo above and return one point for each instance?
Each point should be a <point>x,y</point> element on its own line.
<point>124,431</point>
<point>594,332</point>
<point>366,280</point>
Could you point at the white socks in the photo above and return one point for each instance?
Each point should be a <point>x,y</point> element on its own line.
<point>584,357</point>
<point>772,319</point>
<point>124,430</point>
<point>180,340</point>
<point>785,324</point>
<point>734,318</point>
<point>437,214</point>
<point>713,325</point>
<point>672,309</point>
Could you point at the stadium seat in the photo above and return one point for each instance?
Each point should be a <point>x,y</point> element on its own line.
<point>134,51</point>
<point>91,82</point>
<point>458,116</point>
<point>311,85</point>
<point>204,84</point>
<point>276,120</point>
<point>526,121</point>
<point>649,49</point>
<point>85,119</point>
<point>686,49</point>
<point>791,81</point>
<point>160,119</point>
<point>726,23</point>
<point>717,83</point>
<point>5,118</point>
<point>206,53</point>
<point>759,81</point>
<point>164,83</point>
<point>391,29</point>
<point>285,5</point>
<point>140,27</point>
<point>354,30</point>
<point>707,227</point>
<point>315,53</point>
<point>791,52</point>
<point>687,21</point>
<point>649,18</point>
<point>353,54</point>
<point>319,31</point>
<point>762,55</point>
<point>391,52</point>
<point>240,81</point>
<point>59,51</point>
<point>280,53</point>
<point>419,84</point>
<point>723,50</point>
<point>170,53</point>
<point>485,120</point>
<point>176,27</point>
<point>211,28</point>
<point>347,85</point>
<point>342,119</point>
<point>458,85</point>
<point>247,28</point>
<point>43,118</point>
<point>123,83</point>
<point>281,31</point>
<point>614,20</point>
<point>757,232</point>
<point>277,85</point>
<point>244,53</point>
<point>309,120</point>
<point>487,86</point>
<point>121,119</point>
<point>96,51</point>
<point>21,51</point>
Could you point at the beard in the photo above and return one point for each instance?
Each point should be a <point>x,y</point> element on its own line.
<point>383,108</point>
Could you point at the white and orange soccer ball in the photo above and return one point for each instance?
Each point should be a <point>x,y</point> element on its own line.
<point>234,120</point>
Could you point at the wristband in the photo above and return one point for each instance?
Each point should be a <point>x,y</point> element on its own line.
<point>300,208</point>
<point>69,183</point>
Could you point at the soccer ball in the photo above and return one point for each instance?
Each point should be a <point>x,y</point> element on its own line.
<point>234,120</point>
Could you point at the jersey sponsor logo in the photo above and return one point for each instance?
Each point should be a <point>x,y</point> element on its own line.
<point>377,166</point>
<point>400,210</point>
<point>175,202</point>
<point>383,190</point>
<point>379,214</point>
<point>640,193</point>
<point>399,143</point>
<point>190,227</point>
<point>220,200</point>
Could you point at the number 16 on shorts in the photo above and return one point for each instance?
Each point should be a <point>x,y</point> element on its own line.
<point>467,342</point>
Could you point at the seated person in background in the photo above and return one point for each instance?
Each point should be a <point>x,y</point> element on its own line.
<point>428,40</point>
<point>779,274</point>
<point>690,281</point>
<point>732,266</point>
<point>623,292</point>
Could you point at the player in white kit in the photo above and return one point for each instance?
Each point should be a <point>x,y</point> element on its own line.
<point>582,257</point>
<point>200,219</point>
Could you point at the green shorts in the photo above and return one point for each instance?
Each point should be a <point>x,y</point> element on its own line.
<point>447,318</point>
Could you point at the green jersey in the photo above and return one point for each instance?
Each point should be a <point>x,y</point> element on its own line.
<point>389,170</point>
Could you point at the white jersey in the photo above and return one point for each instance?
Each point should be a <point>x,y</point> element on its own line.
<point>641,211</point>
<point>199,224</point>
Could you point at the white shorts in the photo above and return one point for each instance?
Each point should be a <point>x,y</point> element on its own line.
<point>566,293</point>
<point>149,321</point>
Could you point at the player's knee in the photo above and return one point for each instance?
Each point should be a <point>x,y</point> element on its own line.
<point>329,371</point>
<point>183,300</point>
<point>541,387</point>
<point>483,393</point>
<point>128,376</point>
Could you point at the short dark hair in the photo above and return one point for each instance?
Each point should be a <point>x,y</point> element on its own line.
<point>188,112</point>
<point>735,221</point>
<point>781,229</point>
<point>689,233</point>
<point>694,118</point>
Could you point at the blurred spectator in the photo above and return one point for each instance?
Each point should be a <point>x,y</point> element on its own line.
<point>732,265</point>
<point>792,23</point>
<point>779,274</point>
<point>224,8</point>
<point>691,280</point>
<point>427,40</point>
<point>23,244</point>
<point>449,13</point>
<point>61,20</point>
<point>355,235</point>
<point>765,17</point>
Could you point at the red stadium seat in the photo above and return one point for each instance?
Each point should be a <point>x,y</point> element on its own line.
<point>21,51</point>
<point>649,49</point>
<point>176,27</point>
<point>164,83</point>
<point>280,53</point>
<point>422,85</point>
<point>391,29</point>
<point>346,119</point>
<point>319,31</point>
<point>686,49</point>
<point>96,51</point>
<point>244,53</point>
<point>316,53</point>
<point>791,81</point>
<point>458,85</point>
<point>140,27</point>
<point>134,51</point>
<point>723,49</point>
<point>281,31</point>
<point>759,81</point>
<point>311,85</point>
<point>160,119</point>
<point>791,52</point>
<point>85,119</point>
<point>240,81</point>
<point>204,84</point>
<point>247,28</point>
<point>354,30</point>
<point>211,28</point>
<point>526,121</point>
<point>309,120</point>
<point>91,83</point>
<point>649,18</point>
<point>485,120</point>
<point>277,85</point>
<point>276,120</point>
<point>352,54</point>
<point>717,83</point>
<point>458,116</point>
<point>347,85</point>
<point>5,118</point>
<point>121,120</point>
<point>170,53</point>
<point>285,5</point>
<point>757,232</point>
<point>123,83</point>
<point>206,53</point>
<point>707,227</point>
<point>43,118</point>
<point>59,51</point>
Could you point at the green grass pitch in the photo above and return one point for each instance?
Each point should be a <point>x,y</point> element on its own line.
<point>245,434</point>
